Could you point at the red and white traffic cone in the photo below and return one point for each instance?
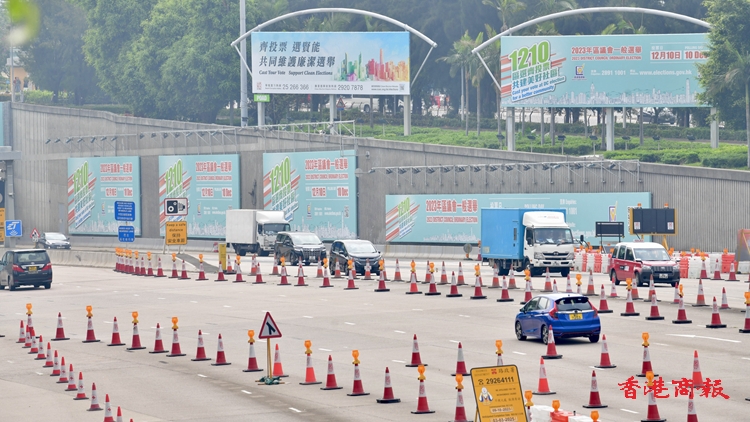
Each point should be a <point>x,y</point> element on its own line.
<point>284,281</point>
<point>48,357</point>
<point>158,343</point>
<point>495,278</point>
<point>350,281</point>
<point>543,388</point>
<point>461,280</point>
<point>427,273</point>
<point>676,299</point>
<point>504,296</point>
<point>90,337</point>
<point>701,298</point>
<point>326,278</point>
<point>551,347</point>
<point>176,351</point>
<point>527,293</point>
<point>27,339</point>
<point>258,275</point>
<point>460,415</point>
<point>159,270</point>
<point>512,281</point>
<point>715,317</point>
<point>22,333</point>
<point>319,273</point>
<point>252,361</point>
<point>238,277</point>
<point>595,401</point>
<point>221,358</point>
<point>275,268</point>
<point>416,358</point>
<point>460,364</point>
<point>331,377</point>
<point>629,307</point>
<point>547,282</point>
<point>613,289</point>
<point>34,350</point>
<point>746,328</point>
<point>717,270</point>
<point>733,272</point>
<point>443,275</point>
<point>254,265</point>
<point>60,332</point>
<point>590,286</point>
<point>94,399</point>
<point>119,415</point>
<point>184,274</point>
<point>651,289</point>
<point>454,287</point>
<point>422,405</point>
<point>554,287</point>
<point>357,388</point>
<point>143,265</point>
<point>55,367</point>
<point>697,375</point>
<point>646,365</point>
<point>71,379</point>
<point>150,272</point>
<point>108,410</point>
<point>135,344</point>
<point>337,270</point>
<point>704,273</point>
<point>200,354</point>
<point>413,288</point>
<point>174,270</point>
<point>433,287</point>
<point>681,316</point>
<point>692,416</point>
<point>654,316</point>
<point>115,335</point>
<point>724,303</point>
<point>63,379</point>
<point>201,273</point>
<point>603,305</point>
<point>604,361</point>
<point>397,272</point>
<point>478,289</point>
<point>634,290</point>
<point>81,391</point>
<point>568,285</point>
<point>388,396</point>
<point>300,276</point>
<point>368,268</point>
<point>652,415</point>
<point>278,369</point>
<point>309,372</point>
<point>381,284</point>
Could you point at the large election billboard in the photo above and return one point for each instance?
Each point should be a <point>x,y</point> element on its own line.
<point>211,183</point>
<point>457,218</point>
<point>367,63</point>
<point>94,184</point>
<point>602,70</point>
<point>316,190</point>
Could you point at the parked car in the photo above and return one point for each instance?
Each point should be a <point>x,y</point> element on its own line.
<point>639,261</point>
<point>53,240</point>
<point>359,251</point>
<point>298,247</point>
<point>25,267</point>
<point>569,315</point>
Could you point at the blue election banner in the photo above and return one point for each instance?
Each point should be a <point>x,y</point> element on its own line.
<point>94,185</point>
<point>124,211</point>
<point>316,190</point>
<point>13,228</point>
<point>457,218</point>
<point>631,70</point>
<point>212,185</point>
<point>126,234</point>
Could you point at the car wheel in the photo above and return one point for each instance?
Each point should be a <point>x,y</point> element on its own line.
<point>594,338</point>
<point>638,281</point>
<point>519,331</point>
<point>544,333</point>
<point>48,286</point>
<point>674,283</point>
<point>2,287</point>
<point>11,285</point>
<point>564,272</point>
<point>613,276</point>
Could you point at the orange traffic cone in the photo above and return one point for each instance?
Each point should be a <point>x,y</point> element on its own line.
<point>55,367</point>
<point>300,276</point>
<point>495,278</point>
<point>200,354</point>
<point>478,289</point>
<point>309,370</point>
<point>71,379</point>
<point>543,388</point>
<point>603,305</point>
<point>63,379</point>
<point>654,316</point>
<point>652,415</point>
<point>443,275</point>
<point>34,347</point>
<point>221,358</point>
<point>238,277</point>
<point>60,333</point>
<point>551,348</point>
<point>183,273</point>
<point>150,272</point>
<point>701,299</point>
<point>174,270</point>
<point>136,343</point>
<point>746,328</point>
<point>692,416</point>
<point>704,273</point>
<point>613,289</point>
<point>697,375</point>
<point>724,303</point>
<point>220,274</point>
<point>319,273</point>
<point>388,396</point>
<point>629,307</point>
<point>460,415</point>
<point>681,316</point>
<point>258,275</point>
<point>27,339</point>
<point>512,281</point>
<point>90,337</point>
<point>81,391</point>
<point>326,278</point>
<point>454,287</point>
<point>337,271</point>
<point>275,269</point>
<point>368,268</point>
<point>413,289</point>
<point>357,388</point>
<point>646,365</point>
<point>22,332</point>
<point>94,399</point>
<point>48,357</point>
<point>568,286</point>
<point>422,405</point>
<point>460,364</point>
<point>201,273</point>
<point>331,377</point>
<point>590,286</point>
<point>527,293</point>
<point>547,282</point>
<point>715,317</point>
<point>397,273</point>
<point>278,370</point>
<point>175,352</point>
<point>158,343</point>
<point>252,361</point>
<point>433,287</point>
<point>504,296</point>
<point>461,281</point>
<point>676,299</point>
<point>717,270</point>
<point>108,410</point>
<point>115,335</point>
<point>604,361</point>
<point>350,281</point>
<point>427,274</point>
<point>284,277</point>
<point>554,287</point>
<point>159,269</point>
<point>595,401</point>
<point>381,284</point>
<point>733,272</point>
<point>416,358</point>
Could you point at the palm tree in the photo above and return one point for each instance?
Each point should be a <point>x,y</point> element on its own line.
<point>492,55</point>
<point>462,60</point>
<point>505,8</point>
<point>737,76</point>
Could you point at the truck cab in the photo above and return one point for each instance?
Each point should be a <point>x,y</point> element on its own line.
<point>254,231</point>
<point>548,243</point>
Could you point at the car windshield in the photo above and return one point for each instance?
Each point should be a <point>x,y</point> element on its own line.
<point>306,239</point>
<point>651,255</point>
<point>54,236</point>
<point>573,304</point>
<point>273,228</point>
<point>29,257</point>
<point>361,247</point>
<point>557,236</point>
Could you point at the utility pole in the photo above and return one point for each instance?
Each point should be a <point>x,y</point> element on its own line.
<point>243,71</point>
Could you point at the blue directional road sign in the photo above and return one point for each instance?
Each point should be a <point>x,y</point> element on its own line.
<point>126,234</point>
<point>124,211</point>
<point>13,228</point>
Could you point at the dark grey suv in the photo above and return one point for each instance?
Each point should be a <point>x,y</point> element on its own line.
<point>298,247</point>
<point>25,267</point>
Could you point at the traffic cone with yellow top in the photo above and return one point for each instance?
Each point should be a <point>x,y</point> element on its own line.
<point>381,266</point>
<point>174,267</point>
<point>527,292</point>
<point>746,328</point>
<point>175,340</point>
<point>90,336</point>
<point>357,388</point>
<point>578,284</point>
<point>136,343</point>
<point>252,361</point>
<point>350,281</point>
<point>381,283</point>
<point>150,272</point>
<point>629,307</point>
<point>704,273</point>
<point>309,369</point>
<point>433,286</point>
<point>284,277</point>
<point>460,415</point>
<point>477,284</point>
<point>646,366</point>
<point>499,352</point>
<point>201,272</point>
<point>238,277</point>
<point>326,274</point>
<point>652,413</point>
<point>681,316</point>
<point>528,394</point>
<point>422,405</point>
<point>413,288</point>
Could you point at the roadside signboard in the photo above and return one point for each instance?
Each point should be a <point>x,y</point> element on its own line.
<point>498,394</point>
<point>223,256</point>
<point>2,221</point>
<point>262,98</point>
<point>126,234</point>
<point>175,206</point>
<point>124,211</point>
<point>176,233</point>
<point>269,329</point>
<point>13,228</point>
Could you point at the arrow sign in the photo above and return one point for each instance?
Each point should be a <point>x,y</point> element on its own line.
<point>269,329</point>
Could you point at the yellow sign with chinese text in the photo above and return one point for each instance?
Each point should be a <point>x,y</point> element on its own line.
<point>223,256</point>
<point>176,233</point>
<point>498,394</point>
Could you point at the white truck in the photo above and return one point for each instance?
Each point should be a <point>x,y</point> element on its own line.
<point>254,231</point>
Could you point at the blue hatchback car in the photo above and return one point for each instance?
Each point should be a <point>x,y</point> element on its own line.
<point>569,315</point>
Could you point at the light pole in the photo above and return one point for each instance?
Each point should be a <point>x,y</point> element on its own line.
<point>243,72</point>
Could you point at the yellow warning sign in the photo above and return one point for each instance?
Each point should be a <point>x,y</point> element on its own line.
<point>2,224</point>
<point>497,390</point>
<point>176,233</point>
<point>223,256</point>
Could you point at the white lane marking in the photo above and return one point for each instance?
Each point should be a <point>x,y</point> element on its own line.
<point>629,411</point>
<point>295,410</point>
<point>38,373</point>
<point>416,309</point>
<point>135,295</point>
<point>227,306</point>
<point>193,301</point>
<point>108,322</point>
<point>349,323</point>
<point>246,392</point>
<point>99,289</point>
<point>282,295</point>
<point>660,344</point>
<point>325,350</point>
<point>399,331</point>
<point>519,353</point>
<point>10,361</point>
<point>707,338</point>
<point>308,317</point>
<point>397,361</point>
<point>205,333</point>
<point>161,298</point>
<point>324,300</point>
<point>464,316</point>
<point>202,376</point>
<point>454,341</point>
<point>746,358</point>
<point>260,340</point>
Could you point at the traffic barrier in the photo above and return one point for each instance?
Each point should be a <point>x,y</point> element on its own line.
<point>331,377</point>
<point>654,316</point>
<point>547,282</point>
<point>278,369</point>
<point>381,283</point>
<point>629,307</point>
<point>504,296</point>
<point>726,261</point>
<point>397,272</point>
<point>595,401</point>
<point>460,363</point>
<point>697,375</point>
<point>200,354</point>
<point>81,391</point>
<point>413,289</point>
<point>94,399</point>
<point>597,263</point>
<point>681,316</point>
<point>90,336</point>
<point>309,369</point>
<point>158,343</point>
<point>715,317</point>
<point>175,352</point>
<point>300,276</point>
<point>724,303</point>
<point>646,366</point>
<point>604,360</point>
<point>454,287</point>
<point>684,267</point>
<point>388,396</point>
<point>48,357</point>
<point>461,280</point>
<point>590,287</point>
<point>701,298</point>
<point>350,282</point>
<point>357,388</point>
<point>416,357</point>
<point>460,415</point>
<point>252,361</point>
<point>443,275</point>
<point>115,335</point>
<point>71,379</point>
<point>543,387</point>
<point>603,306</point>
<point>184,274</point>
<point>63,379</point>
<point>551,347</point>
<point>433,287</point>
<point>422,405</point>
<point>108,410</point>
<point>221,358</point>
<point>478,287</point>
<point>55,366</point>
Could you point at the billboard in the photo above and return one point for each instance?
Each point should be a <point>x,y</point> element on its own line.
<point>211,183</point>
<point>316,190</point>
<point>602,70</point>
<point>456,218</point>
<point>367,63</point>
<point>94,184</point>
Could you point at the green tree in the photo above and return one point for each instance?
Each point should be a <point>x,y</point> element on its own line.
<point>462,60</point>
